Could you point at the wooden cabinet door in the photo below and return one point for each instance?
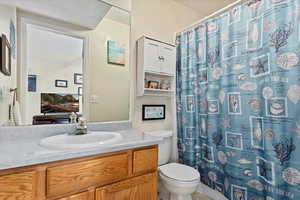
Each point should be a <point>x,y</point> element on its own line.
<point>18,186</point>
<point>138,188</point>
<point>80,196</point>
<point>168,62</point>
<point>151,56</point>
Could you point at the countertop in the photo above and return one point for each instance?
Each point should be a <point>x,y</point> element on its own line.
<point>27,151</point>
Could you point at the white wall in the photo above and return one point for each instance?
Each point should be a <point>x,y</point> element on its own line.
<point>159,19</point>
<point>6,82</point>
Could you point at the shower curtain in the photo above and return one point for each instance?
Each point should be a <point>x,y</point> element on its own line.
<point>238,100</point>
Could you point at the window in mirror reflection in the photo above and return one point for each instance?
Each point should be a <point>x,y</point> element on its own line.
<point>55,68</point>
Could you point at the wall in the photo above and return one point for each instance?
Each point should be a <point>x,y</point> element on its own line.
<point>159,19</point>
<point>109,83</point>
<point>6,82</point>
<point>46,74</point>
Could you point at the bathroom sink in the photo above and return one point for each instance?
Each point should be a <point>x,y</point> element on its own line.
<point>91,140</point>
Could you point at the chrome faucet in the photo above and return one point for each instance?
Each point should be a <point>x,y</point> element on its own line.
<point>81,127</point>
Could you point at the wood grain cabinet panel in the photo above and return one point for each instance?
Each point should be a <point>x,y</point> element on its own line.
<point>80,196</point>
<point>138,188</point>
<point>20,186</point>
<point>77,176</point>
<point>145,160</point>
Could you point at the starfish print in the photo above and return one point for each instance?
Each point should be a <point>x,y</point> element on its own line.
<point>226,123</point>
<point>297,129</point>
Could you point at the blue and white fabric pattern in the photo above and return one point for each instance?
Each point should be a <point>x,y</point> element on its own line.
<point>238,100</point>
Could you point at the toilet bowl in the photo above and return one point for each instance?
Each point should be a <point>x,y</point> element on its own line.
<point>180,180</point>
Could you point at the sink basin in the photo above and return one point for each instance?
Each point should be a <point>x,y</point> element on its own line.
<point>90,140</point>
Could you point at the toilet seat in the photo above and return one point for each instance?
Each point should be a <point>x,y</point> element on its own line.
<point>179,172</point>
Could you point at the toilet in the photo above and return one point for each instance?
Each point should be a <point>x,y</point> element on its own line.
<point>180,180</point>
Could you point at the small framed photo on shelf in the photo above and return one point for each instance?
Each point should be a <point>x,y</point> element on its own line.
<point>154,112</point>
<point>153,84</point>
<point>61,83</point>
<point>78,79</point>
<point>5,56</point>
<point>80,91</point>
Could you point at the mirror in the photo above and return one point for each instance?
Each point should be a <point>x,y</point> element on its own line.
<point>65,71</point>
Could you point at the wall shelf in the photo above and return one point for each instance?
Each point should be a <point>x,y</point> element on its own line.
<point>156,61</point>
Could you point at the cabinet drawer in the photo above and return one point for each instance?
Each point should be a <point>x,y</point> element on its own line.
<point>145,160</point>
<point>80,196</point>
<point>18,186</point>
<point>77,176</point>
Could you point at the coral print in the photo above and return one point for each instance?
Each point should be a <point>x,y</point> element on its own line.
<point>238,81</point>
<point>279,38</point>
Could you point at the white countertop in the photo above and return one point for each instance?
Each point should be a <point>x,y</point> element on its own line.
<point>26,152</point>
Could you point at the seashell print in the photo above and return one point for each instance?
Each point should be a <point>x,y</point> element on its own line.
<point>213,108</point>
<point>212,27</point>
<point>248,172</point>
<point>267,92</point>
<point>250,86</point>
<point>277,109</point>
<point>256,185</point>
<point>291,176</point>
<point>287,60</point>
<point>254,34</point>
<point>238,66</point>
<point>294,93</point>
<point>230,153</point>
<point>222,157</point>
<point>197,90</point>
<point>244,161</point>
<point>217,73</point>
<point>222,96</point>
<point>297,129</point>
<point>269,133</point>
<point>254,104</point>
<point>242,76</point>
<point>258,132</point>
<point>212,176</point>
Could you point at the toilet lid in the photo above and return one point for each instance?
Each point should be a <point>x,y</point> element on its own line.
<point>179,172</point>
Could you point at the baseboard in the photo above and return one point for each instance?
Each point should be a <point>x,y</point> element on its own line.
<point>213,194</point>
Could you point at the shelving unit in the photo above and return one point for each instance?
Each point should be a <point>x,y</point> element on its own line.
<point>156,61</point>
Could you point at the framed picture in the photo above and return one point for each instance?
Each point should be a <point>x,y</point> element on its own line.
<point>154,112</point>
<point>5,58</point>
<point>80,91</point>
<point>31,83</point>
<point>78,79</point>
<point>61,83</point>
<point>115,53</point>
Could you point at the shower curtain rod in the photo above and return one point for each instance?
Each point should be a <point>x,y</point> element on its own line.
<point>218,12</point>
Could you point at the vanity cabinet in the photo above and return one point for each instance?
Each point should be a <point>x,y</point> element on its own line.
<point>129,174</point>
<point>139,188</point>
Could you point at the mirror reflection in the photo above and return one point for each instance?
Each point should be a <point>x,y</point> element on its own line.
<point>64,73</point>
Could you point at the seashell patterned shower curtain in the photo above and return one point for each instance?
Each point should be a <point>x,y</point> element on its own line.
<point>238,100</point>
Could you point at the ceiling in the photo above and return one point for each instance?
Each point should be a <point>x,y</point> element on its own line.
<point>205,7</point>
<point>46,48</point>
<point>86,13</point>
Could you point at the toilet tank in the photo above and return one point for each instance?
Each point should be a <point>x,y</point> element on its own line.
<point>165,147</point>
